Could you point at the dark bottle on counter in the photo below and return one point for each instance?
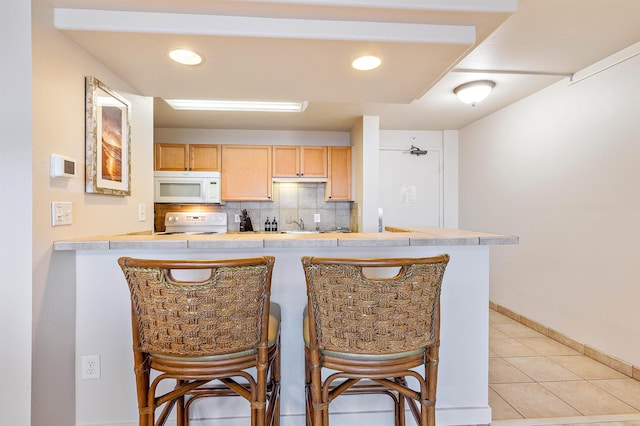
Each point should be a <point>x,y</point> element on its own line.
<point>274,225</point>
<point>267,225</point>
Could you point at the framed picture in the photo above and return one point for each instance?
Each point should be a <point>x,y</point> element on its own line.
<point>107,140</point>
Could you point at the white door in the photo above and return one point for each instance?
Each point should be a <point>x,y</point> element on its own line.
<point>410,188</point>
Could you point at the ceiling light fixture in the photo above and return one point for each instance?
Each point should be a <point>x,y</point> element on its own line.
<point>219,105</point>
<point>366,63</point>
<point>474,91</point>
<point>185,56</point>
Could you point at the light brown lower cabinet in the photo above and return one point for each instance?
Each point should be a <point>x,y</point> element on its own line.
<point>339,174</point>
<point>246,173</point>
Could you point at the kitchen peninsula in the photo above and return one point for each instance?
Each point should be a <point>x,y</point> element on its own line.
<point>103,317</point>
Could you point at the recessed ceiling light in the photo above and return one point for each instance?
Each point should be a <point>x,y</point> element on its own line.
<point>222,105</point>
<point>185,56</point>
<point>366,63</point>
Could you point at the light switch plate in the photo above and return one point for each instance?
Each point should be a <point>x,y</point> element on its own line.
<point>142,212</point>
<point>61,213</point>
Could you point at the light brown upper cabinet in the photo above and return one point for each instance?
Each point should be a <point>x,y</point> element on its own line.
<point>338,187</point>
<point>191,157</point>
<point>299,161</point>
<point>246,173</point>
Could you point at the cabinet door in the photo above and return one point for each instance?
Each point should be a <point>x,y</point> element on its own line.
<point>286,161</point>
<point>246,172</point>
<point>339,176</point>
<point>204,158</point>
<point>313,161</point>
<point>171,156</point>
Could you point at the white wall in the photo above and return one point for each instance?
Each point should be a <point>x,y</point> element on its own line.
<point>59,68</point>
<point>365,141</point>
<point>450,146</point>
<point>15,214</point>
<point>560,170</point>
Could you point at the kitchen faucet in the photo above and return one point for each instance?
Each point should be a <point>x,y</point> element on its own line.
<point>300,223</point>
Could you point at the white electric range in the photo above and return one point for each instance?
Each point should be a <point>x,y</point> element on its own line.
<point>194,223</point>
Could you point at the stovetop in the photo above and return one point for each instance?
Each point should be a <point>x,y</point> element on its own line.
<point>195,223</point>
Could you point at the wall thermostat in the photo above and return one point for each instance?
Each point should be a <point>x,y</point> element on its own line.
<point>62,167</point>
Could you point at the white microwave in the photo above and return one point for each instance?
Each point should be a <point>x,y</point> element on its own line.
<point>186,187</point>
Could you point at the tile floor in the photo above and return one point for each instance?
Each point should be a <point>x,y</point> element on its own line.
<point>534,380</point>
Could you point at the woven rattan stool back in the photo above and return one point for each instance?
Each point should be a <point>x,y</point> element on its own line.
<point>222,313</point>
<point>357,314</point>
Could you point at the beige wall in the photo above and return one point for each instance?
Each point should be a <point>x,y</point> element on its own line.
<point>59,68</point>
<point>560,170</point>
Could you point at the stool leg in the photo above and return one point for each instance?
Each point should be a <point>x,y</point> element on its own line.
<point>180,411</point>
<point>318,406</point>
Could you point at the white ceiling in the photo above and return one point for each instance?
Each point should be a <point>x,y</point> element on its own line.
<point>302,49</point>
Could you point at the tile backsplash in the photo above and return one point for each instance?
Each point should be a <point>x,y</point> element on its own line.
<point>292,201</point>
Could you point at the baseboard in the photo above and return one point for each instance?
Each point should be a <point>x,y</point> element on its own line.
<point>623,367</point>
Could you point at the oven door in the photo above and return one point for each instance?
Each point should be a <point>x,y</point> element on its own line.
<point>180,190</point>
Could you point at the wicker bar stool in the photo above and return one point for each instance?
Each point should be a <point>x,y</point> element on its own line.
<point>372,332</point>
<point>204,325</point>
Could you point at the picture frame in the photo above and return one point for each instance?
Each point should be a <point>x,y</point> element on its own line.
<point>107,140</point>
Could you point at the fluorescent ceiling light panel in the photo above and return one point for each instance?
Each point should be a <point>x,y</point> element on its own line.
<point>219,105</point>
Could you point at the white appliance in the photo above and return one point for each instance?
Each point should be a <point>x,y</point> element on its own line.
<point>186,187</point>
<point>195,223</point>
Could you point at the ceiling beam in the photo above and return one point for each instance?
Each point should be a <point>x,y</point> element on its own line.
<point>243,26</point>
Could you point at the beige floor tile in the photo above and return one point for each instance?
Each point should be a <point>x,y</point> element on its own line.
<point>604,423</point>
<point>500,409</point>
<point>520,357</point>
<point>510,347</point>
<point>628,390</point>
<point>542,369</point>
<point>501,371</point>
<point>588,399</point>
<point>516,330</point>
<point>494,333</point>
<point>546,346</point>
<point>533,401</point>
<point>587,368</point>
<point>605,420</point>
<point>631,423</point>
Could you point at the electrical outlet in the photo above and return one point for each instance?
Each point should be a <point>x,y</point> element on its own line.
<point>316,217</point>
<point>91,367</point>
<point>237,218</point>
<point>142,212</point>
